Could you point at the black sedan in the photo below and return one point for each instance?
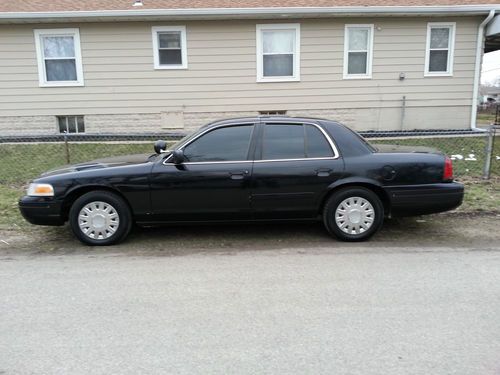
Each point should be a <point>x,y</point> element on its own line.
<point>248,169</point>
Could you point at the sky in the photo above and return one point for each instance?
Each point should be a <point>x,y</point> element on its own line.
<point>491,67</point>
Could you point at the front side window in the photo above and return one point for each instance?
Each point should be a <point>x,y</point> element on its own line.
<point>294,141</point>
<point>439,51</point>
<point>278,49</point>
<point>170,47</point>
<point>358,46</point>
<point>223,144</point>
<point>59,57</point>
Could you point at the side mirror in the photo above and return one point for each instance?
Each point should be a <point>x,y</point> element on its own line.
<point>160,146</point>
<point>178,156</point>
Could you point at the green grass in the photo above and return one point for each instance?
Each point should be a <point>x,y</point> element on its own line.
<point>9,213</point>
<point>23,162</point>
<point>485,118</point>
<point>481,195</point>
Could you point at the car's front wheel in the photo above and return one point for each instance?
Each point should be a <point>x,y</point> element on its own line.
<point>100,218</point>
<point>353,214</point>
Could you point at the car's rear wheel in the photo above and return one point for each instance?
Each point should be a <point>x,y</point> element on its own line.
<point>353,214</point>
<point>100,218</point>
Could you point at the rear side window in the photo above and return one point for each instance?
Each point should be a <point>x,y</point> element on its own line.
<point>283,142</point>
<point>317,145</point>
<point>294,141</point>
<point>223,144</point>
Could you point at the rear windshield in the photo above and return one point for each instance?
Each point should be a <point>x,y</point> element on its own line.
<point>368,144</point>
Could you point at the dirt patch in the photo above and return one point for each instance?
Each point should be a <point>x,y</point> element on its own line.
<point>455,230</point>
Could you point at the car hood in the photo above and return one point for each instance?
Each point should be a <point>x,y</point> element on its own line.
<point>386,148</point>
<point>116,161</point>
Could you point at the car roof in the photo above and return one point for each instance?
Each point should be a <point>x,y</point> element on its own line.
<point>268,118</point>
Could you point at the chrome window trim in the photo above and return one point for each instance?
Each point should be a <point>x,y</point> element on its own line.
<point>335,156</point>
<point>217,162</point>
<point>298,159</point>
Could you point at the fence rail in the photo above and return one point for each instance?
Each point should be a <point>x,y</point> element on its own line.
<point>474,153</point>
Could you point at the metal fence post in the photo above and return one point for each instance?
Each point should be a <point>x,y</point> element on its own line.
<point>66,148</point>
<point>488,153</point>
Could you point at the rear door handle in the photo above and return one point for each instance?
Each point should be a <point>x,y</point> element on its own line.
<point>323,172</point>
<point>240,175</point>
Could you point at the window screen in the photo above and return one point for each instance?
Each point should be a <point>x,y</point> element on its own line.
<point>358,54</point>
<point>59,58</point>
<point>439,49</point>
<point>169,48</point>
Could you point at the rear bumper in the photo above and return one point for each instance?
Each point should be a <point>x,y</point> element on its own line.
<point>411,200</point>
<point>41,211</point>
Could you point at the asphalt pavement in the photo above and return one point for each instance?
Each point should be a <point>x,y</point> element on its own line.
<point>293,310</point>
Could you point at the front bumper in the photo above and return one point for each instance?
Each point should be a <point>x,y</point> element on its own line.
<point>411,200</point>
<point>41,210</point>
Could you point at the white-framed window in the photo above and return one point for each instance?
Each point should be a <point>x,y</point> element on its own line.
<point>170,47</point>
<point>59,57</point>
<point>439,48</point>
<point>358,51</point>
<point>71,124</point>
<point>278,52</point>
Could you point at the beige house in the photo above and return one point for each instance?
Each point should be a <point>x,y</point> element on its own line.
<point>159,65</point>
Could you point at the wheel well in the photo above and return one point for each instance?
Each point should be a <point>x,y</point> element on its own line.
<point>376,189</point>
<point>78,192</point>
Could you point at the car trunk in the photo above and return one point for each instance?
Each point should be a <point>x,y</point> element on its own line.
<point>387,148</point>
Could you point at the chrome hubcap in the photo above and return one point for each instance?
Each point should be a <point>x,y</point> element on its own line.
<point>98,220</point>
<point>354,215</point>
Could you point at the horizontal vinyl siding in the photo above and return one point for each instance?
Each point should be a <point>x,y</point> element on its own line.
<point>120,78</point>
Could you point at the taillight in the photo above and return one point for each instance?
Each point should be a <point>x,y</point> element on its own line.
<point>448,170</point>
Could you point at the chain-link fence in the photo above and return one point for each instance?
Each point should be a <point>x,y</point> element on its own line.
<point>25,158</point>
<point>475,154</point>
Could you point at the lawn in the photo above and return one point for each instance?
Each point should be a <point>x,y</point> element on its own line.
<point>9,214</point>
<point>485,118</point>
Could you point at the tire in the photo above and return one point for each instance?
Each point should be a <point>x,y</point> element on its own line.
<point>100,218</point>
<point>358,223</point>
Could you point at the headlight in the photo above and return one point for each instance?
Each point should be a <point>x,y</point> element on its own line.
<point>41,190</point>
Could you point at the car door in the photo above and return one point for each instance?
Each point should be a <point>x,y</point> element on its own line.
<point>213,183</point>
<point>294,165</point>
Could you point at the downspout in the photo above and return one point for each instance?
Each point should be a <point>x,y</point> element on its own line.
<point>477,71</point>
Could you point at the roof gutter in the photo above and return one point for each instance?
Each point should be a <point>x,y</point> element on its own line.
<point>477,71</point>
<point>246,12</point>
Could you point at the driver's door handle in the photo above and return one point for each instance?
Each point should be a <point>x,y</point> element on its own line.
<point>240,175</point>
<point>323,172</point>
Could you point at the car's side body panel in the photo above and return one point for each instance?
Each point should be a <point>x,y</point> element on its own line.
<point>200,191</point>
<point>285,189</point>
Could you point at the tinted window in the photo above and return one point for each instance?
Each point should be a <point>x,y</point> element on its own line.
<point>317,145</point>
<point>224,144</point>
<point>283,142</point>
